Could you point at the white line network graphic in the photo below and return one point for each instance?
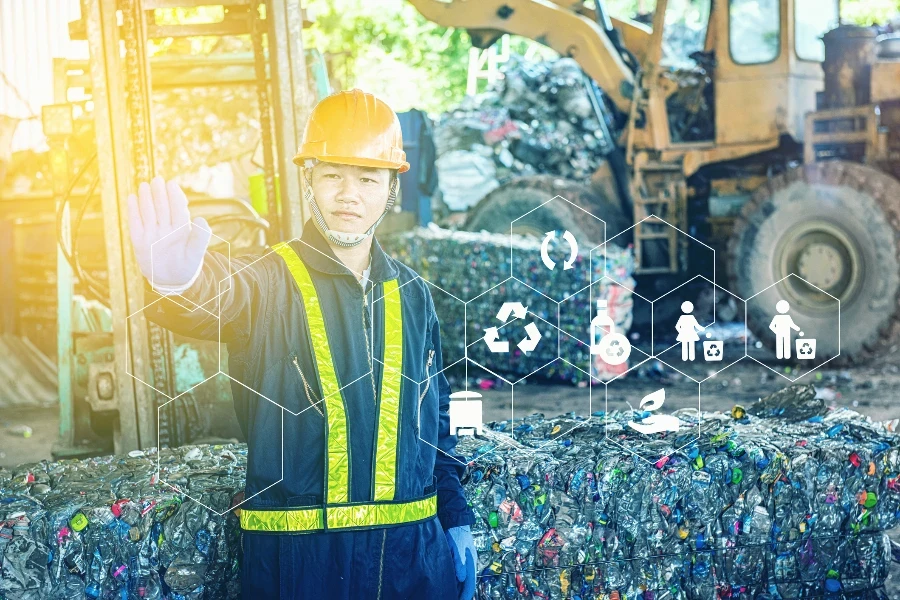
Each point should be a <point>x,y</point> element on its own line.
<point>456,352</point>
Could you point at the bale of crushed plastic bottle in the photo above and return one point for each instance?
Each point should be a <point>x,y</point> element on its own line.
<point>787,505</point>
<point>109,527</point>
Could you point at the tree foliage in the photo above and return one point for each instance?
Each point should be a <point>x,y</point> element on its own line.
<point>388,48</point>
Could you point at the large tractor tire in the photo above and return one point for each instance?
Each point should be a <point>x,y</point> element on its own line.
<point>836,224</point>
<point>513,202</point>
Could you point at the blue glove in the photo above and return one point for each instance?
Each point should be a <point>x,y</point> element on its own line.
<point>462,547</point>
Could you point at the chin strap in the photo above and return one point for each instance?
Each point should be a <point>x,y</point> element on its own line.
<point>339,238</point>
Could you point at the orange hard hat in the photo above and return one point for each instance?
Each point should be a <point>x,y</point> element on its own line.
<point>354,128</point>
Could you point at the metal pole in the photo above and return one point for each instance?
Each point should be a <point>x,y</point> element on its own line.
<point>265,124</point>
<point>291,103</point>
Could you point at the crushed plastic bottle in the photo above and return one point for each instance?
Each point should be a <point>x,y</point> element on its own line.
<point>105,527</point>
<point>788,505</point>
<point>792,505</point>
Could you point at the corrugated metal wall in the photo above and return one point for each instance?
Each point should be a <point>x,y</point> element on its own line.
<point>32,34</point>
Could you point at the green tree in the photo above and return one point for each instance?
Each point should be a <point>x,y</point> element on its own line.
<point>867,12</point>
<point>388,48</point>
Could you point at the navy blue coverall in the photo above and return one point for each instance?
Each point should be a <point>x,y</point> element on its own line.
<point>263,321</point>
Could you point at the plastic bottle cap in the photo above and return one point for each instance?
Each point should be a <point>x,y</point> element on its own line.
<point>868,499</point>
<point>79,521</point>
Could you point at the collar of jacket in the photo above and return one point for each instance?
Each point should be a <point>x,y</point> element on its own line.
<point>317,254</point>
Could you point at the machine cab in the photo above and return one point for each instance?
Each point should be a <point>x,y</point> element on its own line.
<point>760,59</point>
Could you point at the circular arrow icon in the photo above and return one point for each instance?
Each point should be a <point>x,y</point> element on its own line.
<point>573,250</point>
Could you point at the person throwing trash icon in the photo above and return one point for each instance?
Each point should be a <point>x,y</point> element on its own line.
<point>687,328</point>
<point>782,324</point>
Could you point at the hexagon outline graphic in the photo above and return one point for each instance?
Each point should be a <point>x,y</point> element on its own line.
<point>189,225</point>
<point>695,438</point>
<point>816,366</point>
<point>631,367</point>
<point>695,277</point>
<point>578,425</point>
<point>128,347</point>
<point>510,322</point>
<point>254,261</point>
<point>663,221</point>
<point>590,389</point>
<point>161,481</point>
<point>510,443</point>
<point>591,308</point>
<point>541,205</point>
<point>445,366</point>
<point>657,355</point>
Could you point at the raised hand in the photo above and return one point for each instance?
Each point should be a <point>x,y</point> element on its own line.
<point>158,218</point>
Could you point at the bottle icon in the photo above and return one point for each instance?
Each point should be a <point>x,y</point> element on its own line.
<point>613,348</point>
<point>602,320</point>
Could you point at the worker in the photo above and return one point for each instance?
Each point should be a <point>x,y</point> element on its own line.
<point>353,484</point>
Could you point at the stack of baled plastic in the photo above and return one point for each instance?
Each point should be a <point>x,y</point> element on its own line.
<point>107,528</point>
<point>785,505</point>
<point>789,501</point>
<point>465,264</point>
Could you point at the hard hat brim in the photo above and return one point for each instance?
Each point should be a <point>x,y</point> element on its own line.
<point>357,161</point>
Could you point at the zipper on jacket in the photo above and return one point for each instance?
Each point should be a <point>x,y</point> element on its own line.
<point>427,385</point>
<point>306,386</point>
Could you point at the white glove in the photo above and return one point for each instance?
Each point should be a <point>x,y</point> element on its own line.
<point>169,246</point>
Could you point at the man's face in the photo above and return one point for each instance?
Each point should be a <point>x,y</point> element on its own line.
<point>351,198</point>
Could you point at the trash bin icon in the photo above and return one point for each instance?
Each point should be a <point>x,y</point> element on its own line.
<point>465,413</point>
<point>712,350</point>
<point>806,348</point>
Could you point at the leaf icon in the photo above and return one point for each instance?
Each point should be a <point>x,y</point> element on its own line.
<point>653,400</point>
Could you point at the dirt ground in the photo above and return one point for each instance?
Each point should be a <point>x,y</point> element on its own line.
<point>873,389</point>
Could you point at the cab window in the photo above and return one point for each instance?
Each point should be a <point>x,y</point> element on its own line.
<point>684,31</point>
<point>754,30</point>
<point>812,18</point>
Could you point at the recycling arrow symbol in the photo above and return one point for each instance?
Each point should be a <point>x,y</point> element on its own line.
<point>492,334</point>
